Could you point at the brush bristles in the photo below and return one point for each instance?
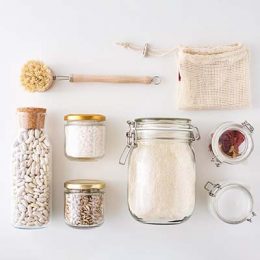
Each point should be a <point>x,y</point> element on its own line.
<point>36,76</point>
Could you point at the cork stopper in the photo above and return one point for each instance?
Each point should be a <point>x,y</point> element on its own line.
<point>31,117</point>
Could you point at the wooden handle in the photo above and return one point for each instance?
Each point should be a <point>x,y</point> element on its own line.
<point>111,79</point>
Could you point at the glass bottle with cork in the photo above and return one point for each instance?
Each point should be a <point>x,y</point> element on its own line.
<point>31,166</point>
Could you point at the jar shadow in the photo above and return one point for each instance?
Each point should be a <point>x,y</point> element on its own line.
<point>115,198</point>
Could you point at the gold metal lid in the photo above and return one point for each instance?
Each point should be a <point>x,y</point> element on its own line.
<point>83,184</point>
<point>78,117</point>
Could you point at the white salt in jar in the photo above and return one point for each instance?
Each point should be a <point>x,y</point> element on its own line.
<point>161,172</point>
<point>84,136</point>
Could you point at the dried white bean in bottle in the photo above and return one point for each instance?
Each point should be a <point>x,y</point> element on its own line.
<point>84,203</point>
<point>31,186</point>
<point>84,136</point>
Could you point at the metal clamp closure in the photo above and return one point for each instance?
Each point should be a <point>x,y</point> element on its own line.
<point>130,142</point>
<point>249,219</point>
<point>212,188</point>
<point>195,133</point>
<point>215,160</point>
<point>249,127</point>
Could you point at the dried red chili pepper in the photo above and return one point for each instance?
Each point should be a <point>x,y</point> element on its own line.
<point>230,141</point>
<point>179,76</point>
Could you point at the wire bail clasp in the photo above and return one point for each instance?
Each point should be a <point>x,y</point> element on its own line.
<point>195,133</point>
<point>249,127</point>
<point>130,142</point>
<point>212,188</point>
<point>252,215</point>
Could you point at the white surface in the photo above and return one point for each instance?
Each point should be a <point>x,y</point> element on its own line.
<point>78,36</point>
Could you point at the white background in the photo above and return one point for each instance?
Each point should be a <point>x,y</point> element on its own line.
<point>79,36</point>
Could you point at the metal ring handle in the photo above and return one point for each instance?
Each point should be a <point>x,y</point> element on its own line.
<point>156,80</point>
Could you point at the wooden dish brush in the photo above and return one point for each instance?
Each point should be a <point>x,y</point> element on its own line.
<point>37,77</point>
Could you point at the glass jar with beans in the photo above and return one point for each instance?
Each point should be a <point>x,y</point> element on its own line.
<point>84,203</point>
<point>31,188</point>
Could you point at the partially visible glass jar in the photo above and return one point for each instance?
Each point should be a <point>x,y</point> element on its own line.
<point>84,203</point>
<point>31,192</point>
<point>230,202</point>
<point>231,143</point>
<point>85,136</point>
<point>161,171</point>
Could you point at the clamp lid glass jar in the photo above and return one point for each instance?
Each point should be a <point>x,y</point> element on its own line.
<point>161,172</point>
<point>85,136</point>
<point>231,143</point>
<point>84,203</point>
<point>231,202</point>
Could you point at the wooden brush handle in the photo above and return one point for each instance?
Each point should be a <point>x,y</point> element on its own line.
<point>111,79</point>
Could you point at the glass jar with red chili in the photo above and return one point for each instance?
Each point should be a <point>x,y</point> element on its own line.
<point>231,143</point>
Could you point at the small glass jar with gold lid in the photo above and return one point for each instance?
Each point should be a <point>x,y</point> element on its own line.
<point>84,203</point>
<point>85,136</point>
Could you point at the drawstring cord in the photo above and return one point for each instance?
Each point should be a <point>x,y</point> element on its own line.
<point>147,50</point>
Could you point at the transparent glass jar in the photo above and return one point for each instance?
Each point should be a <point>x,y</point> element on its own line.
<point>85,136</point>
<point>161,169</point>
<point>231,143</point>
<point>230,202</point>
<point>84,203</point>
<point>31,186</point>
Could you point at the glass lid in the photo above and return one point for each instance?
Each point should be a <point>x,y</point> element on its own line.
<point>232,203</point>
<point>232,142</point>
<point>165,127</point>
<point>161,123</point>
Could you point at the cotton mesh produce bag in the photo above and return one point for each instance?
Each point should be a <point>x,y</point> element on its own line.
<point>213,77</point>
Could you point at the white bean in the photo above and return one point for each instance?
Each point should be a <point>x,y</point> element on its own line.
<point>31,179</point>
